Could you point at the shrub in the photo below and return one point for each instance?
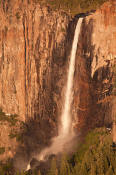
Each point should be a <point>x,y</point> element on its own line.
<point>74,6</point>
<point>12,119</point>
<point>2,150</point>
<point>93,157</point>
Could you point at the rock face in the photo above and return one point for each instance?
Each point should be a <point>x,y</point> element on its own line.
<point>95,58</point>
<point>35,45</point>
<point>32,52</point>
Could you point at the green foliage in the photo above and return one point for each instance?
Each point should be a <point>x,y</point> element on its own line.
<point>2,150</point>
<point>39,173</point>
<point>18,15</point>
<point>114,80</point>
<point>1,114</point>
<point>53,170</point>
<point>73,6</point>
<point>88,4</point>
<point>15,134</point>
<point>6,168</point>
<point>18,134</point>
<point>69,6</point>
<point>96,155</point>
<point>65,168</point>
<point>12,119</point>
<point>93,157</point>
<point>91,139</point>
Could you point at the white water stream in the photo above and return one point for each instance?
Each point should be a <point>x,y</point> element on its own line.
<point>66,118</point>
<point>65,131</point>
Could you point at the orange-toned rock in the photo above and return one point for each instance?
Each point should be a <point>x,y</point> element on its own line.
<point>30,37</point>
<point>93,77</point>
<point>35,44</point>
<point>32,63</point>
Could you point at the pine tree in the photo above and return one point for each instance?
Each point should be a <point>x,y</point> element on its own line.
<point>53,170</point>
<point>110,171</point>
<point>83,169</point>
<point>39,173</point>
<point>64,168</point>
<point>93,170</point>
<point>18,173</point>
<point>101,163</point>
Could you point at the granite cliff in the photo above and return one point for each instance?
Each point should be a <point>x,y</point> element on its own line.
<point>95,59</point>
<point>35,45</point>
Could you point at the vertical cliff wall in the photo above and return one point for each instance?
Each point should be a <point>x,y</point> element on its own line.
<point>94,68</point>
<point>35,45</point>
<point>32,59</point>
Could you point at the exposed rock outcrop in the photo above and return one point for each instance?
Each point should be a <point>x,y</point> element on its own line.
<point>95,59</point>
<point>32,52</point>
<point>35,44</point>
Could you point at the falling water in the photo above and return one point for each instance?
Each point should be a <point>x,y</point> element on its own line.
<point>65,134</point>
<point>66,118</point>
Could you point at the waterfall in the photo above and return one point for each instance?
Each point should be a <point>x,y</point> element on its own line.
<point>65,135</point>
<point>66,118</point>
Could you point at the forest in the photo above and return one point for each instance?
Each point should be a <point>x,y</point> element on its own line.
<point>73,6</point>
<point>94,156</point>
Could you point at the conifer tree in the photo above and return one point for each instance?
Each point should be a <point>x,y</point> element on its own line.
<point>83,169</point>
<point>39,173</point>
<point>53,170</point>
<point>77,168</point>
<point>93,170</point>
<point>64,168</point>
<point>110,171</point>
<point>18,173</point>
<point>101,163</point>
